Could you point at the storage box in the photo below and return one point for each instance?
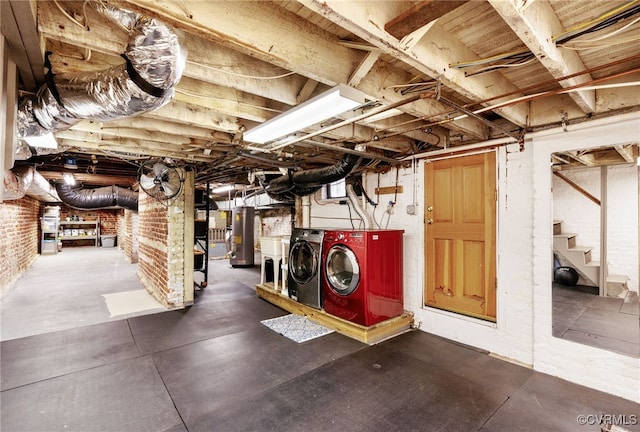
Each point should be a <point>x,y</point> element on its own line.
<point>108,240</point>
<point>198,259</point>
<point>200,228</point>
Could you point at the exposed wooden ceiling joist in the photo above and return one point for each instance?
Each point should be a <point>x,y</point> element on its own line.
<point>419,15</point>
<point>536,25</point>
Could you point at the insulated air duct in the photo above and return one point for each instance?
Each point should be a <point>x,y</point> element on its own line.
<point>154,62</point>
<point>22,181</point>
<point>307,182</point>
<point>100,198</point>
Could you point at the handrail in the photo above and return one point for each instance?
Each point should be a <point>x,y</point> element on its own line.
<point>577,187</point>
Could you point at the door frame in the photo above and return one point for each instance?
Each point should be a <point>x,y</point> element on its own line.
<point>499,179</point>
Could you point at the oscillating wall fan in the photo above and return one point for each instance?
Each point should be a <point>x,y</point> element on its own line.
<point>159,180</point>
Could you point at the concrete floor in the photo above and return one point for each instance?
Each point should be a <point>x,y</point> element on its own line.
<point>215,367</point>
<point>603,322</point>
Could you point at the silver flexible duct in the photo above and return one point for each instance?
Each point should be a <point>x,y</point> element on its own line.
<point>353,199</point>
<point>22,181</point>
<point>154,62</point>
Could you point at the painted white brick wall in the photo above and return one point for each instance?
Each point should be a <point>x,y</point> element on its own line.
<point>604,370</point>
<point>525,215</point>
<point>622,222</point>
<point>580,215</point>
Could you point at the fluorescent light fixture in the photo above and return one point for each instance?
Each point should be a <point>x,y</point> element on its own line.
<point>69,179</point>
<point>324,106</point>
<point>45,141</point>
<point>224,188</point>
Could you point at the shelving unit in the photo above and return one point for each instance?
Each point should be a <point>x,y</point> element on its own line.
<point>49,239</point>
<point>201,235</point>
<point>80,228</point>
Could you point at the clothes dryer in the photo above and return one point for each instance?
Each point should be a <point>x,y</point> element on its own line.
<point>363,276</point>
<point>305,258</point>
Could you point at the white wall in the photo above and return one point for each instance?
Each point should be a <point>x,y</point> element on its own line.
<point>607,371</point>
<point>523,329</point>
<point>582,216</point>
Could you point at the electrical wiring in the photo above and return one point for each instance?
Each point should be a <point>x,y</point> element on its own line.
<point>605,40</point>
<point>600,22</point>
<point>610,34</point>
<point>350,216</point>
<point>72,19</point>
<point>217,69</point>
<point>500,66</point>
<point>612,14</point>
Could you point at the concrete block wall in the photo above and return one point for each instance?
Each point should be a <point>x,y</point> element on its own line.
<point>19,238</point>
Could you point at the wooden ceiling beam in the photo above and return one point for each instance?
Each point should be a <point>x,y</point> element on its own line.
<point>418,15</point>
<point>92,179</point>
<point>626,152</point>
<point>131,147</point>
<point>207,61</point>
<point>26,46</point>
<point>302,47</point>
<point>160,126</point>
<point>535,25</point>
<point>431,56</point>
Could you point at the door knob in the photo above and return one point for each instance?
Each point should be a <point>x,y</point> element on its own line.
<point>429,221</point>
<point>430,208</point>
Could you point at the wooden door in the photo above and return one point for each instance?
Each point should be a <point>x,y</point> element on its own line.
<point>460,235</point>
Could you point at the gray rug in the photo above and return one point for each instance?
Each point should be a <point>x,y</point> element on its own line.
<point>298,328</point>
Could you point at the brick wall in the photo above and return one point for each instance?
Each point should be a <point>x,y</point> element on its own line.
<point>127,234</point>
<point>275,222</point>
<point>152,253</point>
<point>580,215</point>
<point>162,246</point>
<point>108,222</point>
<point>19,238</point>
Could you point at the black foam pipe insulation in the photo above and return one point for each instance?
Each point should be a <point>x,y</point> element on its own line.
<point>307,182</point>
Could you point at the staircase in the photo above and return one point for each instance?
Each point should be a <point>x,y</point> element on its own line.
<point>565,245</point>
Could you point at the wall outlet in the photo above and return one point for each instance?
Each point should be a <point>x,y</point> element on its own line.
<point>411,209</point>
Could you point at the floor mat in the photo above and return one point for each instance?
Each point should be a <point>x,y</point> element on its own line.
<point>296,327</point>
<point>128,302</point>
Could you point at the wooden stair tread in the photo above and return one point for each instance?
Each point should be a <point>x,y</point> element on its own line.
<point>580,249</point>
<point>567,235</point>
<point>617,278</point>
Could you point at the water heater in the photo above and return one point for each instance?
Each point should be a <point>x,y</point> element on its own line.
<point>242,249</point>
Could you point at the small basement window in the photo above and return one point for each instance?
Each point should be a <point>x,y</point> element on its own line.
<point>334,191</point>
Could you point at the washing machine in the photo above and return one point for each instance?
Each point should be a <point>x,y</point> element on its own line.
<point>305,266</point>
<point>362,280</point>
